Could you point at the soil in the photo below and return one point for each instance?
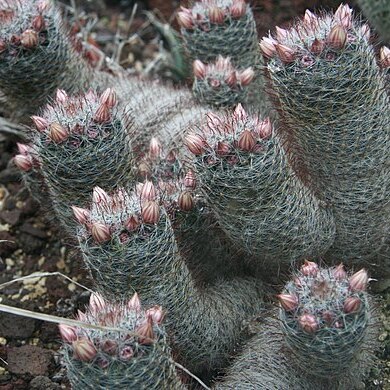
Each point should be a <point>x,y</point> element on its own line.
<point>29,243</point>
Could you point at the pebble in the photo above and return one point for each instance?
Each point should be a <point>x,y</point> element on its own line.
<point>3,341</point>
<point>2,370</point>
<point>72,287</point>
<point>9,262</point>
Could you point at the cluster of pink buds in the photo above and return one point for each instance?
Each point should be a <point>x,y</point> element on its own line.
<point>222,136</point>
<point>319,298</point>
<point>30,37</point>
<point>71,109</point>
<point>134,326</point>
<point>26,159</point>
<point>287,45</point>
<point>212,12</point>
<point>222,71</point>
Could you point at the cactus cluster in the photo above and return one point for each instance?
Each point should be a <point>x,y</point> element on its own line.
<point>195,202</point>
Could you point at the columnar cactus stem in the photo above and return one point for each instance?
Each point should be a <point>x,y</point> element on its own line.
<point>334,109</point>
<point>128,243</point>
<point>134,356</point>
<point>81,142</point>
<point>259,201</point>
<point>37,56</point>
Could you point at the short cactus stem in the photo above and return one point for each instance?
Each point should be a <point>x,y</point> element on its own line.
<point>76,152</point>
<point>122,358</point>
<point>329,327</point>
<point>241,165</point>
<point>220,83</point>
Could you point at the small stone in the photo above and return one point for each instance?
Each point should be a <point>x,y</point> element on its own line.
<point>72,287</point>
<point>3,341</point>
<point>2,370</point>
<point>9,262</point>
<point>29,359</point>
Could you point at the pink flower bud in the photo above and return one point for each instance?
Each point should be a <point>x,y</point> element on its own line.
<point>267,46</point>
<point>199,69</point>
<point>216,15</point>
<point>308,323</point>
<point>134,303</point>
<point>246,141</point>
<point>310,20</point>
<point>155,148</point>
<point>343,15</point>
<point>246,77</point>
<point>239,113</point>
<point>126,353</point>
<point>57,133</point>
<point>42,6</point>
<point>3,46</point>
<point>102,114</point>
<point>109,98</point>
<point>81,316</point>
<point>185,201</point>
<point>100,232</point>
<point>61,96</point>
<point>40,123</point>
<point>231,79</point>
<point>96,303</point>
<point>109,346</point>
<point>99,196</point>
<point>82,215</point>
<point>365,31</point>
<point>264,129</point>
<point>23,149</point>
<point>145,332</point>
<point>337,37</point>
<point>38,23</point>
<point>339,272</point>
<point>68,333</point>
<point>148,192</point>
<point>384,56</point>
<point>309,268</point>
<point>171,157</point>
<point>195,143</point>
<point>29,39</point>
<point>285,53</point>
<point>156,314</point>
<point>281,33</point>
<point>352,305</point>
<point>24,163</point>
<point>151,213</point>
<point>222,148</point>
<point>238,9</point>
<point>288,302</point>
<point>317,47</point>
<point>214,83</point>
<point>190,180</point>
<point>358,281</point>
<point>185,20</point>
<point>328,317</point>
<point>84,350</point>
<point>132,223</point>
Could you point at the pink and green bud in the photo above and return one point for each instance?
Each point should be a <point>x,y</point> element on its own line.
<point>310,20</point>
<point>156,314</point>
<point>309,268</point>
<point>222,148</point>
<point>110,347</point>
<point>199,69</point>
<point>365,31</point>
<point>38,23</point>
<point>352,305</point>
<point>337,37</point>
<point>84,350</point>
<point>102,114</point>
<point>185,201</point>
<point>134,303</point>
<point>24,163</point>
<point>190,180</point>
<point>281,33</point>
<point>185,20</point>
<point>285,53</point>
<point>239,113</point>
<point>23,149</point>
<point>109,98</point>
<point>58,133</point>
<point>68,333</point>
<point>267,46</point>
<point>61,96</point>
<point>96,303</point>
<point>155,148</point>
<point>132,223</point>
<point>246,141</point>
<point>264,129</point>
<point>100,232</point>
<point>246,76</point>
<point>343,15</point>
<point>339,272</point>
<point>317,47</point>
<point>148,191</point>
<point>151,212</point>
<point>308,323</point>
<point>216,15</point>
<point>99,196</point>
<point>384,56</point>
<point>195,143</point>
<point>288,302</point>
<point>145,332</point>
<point>238,9</point>
<point>40,123</point>
<point>81,316</point>
<point>29,39</point>
<point>81,215</point>
<point>358,281</point>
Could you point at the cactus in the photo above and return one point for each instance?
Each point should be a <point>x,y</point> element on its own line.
<point>259,201</point>
<point>334,111</point>
<point>127,240</point>
<point>378,13</point>
<point>134,354</point>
